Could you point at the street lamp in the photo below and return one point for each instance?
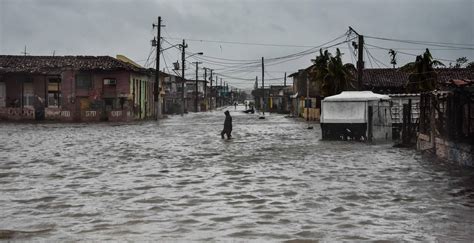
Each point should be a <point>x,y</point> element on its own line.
<point>199,53</point>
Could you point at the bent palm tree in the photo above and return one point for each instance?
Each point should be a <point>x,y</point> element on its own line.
<point>331,75</point>
<point>422,75</point>
<point>339,76</point>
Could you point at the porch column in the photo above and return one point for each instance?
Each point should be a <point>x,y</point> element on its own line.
<point>45,81</point>
<point>22,94</point>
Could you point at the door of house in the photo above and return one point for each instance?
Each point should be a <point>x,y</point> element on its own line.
<point>3,93</point>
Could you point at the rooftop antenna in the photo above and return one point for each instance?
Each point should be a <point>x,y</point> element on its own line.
<point>24,52</point>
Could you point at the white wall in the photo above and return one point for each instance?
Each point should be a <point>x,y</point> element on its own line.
<point>343,112</point>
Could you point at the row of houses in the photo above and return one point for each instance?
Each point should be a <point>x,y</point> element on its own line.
<point>96,88</point>
<point>439,121</point>
<point>198,95</point>
<point>303,98</point>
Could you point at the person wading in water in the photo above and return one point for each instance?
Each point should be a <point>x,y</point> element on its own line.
<point>227,125</point>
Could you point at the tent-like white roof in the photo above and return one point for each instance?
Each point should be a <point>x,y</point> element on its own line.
<point>357,96</point>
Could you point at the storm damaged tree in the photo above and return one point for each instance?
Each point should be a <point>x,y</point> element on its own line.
<point>331,75</point>
<point>393,57</point>
<point>470,65</point>
<point>422,75</point>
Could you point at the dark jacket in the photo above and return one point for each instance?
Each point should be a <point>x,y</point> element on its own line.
<point>228,122</point>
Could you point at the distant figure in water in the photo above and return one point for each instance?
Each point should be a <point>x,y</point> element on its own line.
<point>235,105</point>
<point>227,125</point>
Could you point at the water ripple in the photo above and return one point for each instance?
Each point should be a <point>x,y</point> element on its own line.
<point>176,180</point>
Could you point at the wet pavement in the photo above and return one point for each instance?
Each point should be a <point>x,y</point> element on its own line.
<point>177,180</point>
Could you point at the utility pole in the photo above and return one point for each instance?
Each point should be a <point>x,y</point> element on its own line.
<point>205,82</point>
<point>360,58</point>
<point>24,52</point>
<point>183,84</point>
<point>307,98</point>
<point>263,85</point>
<point>196,98</point>
<point>284,82</point>
<point>157,42</point>
<point>256,89</point>
<point>211,93</point>
<point>217,90</point>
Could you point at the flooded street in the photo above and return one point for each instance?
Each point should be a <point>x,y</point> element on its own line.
<point>178,180</point>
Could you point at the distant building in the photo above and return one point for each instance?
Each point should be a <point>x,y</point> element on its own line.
<point>75,88</point>
<point>201,95</point>
<point>279,100</point>
<point>174,95</point>
<point>379,80</point>
<point>305,103</point>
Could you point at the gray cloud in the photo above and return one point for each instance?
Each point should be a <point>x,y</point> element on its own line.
<point>99,27</point>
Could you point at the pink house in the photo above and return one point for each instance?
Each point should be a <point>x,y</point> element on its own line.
<point>75,88</point>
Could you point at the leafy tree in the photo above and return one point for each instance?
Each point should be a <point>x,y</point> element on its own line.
<point>422,76</point>
<point>460,62</point>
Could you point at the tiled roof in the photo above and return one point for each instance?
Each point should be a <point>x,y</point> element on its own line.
<point>384,77</point>
<point>388,77</point>
<point>55,64</point>
<point>460,82</point>
<point>446,74</point>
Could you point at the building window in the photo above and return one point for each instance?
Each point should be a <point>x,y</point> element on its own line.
<point>54,92</point>
<point>84,81</point>
<point>111,104</point>
<point>53,99</point>
<point>28,94</point>
<point>110,81</point>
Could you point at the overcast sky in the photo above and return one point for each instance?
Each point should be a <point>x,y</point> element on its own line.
<point>110,27</point>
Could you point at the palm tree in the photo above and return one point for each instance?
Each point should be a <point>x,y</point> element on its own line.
<point>319,69</point>
<point>331,74</point>
<point>339,76</point>
<point>422,75</point>
<point>393,57</point>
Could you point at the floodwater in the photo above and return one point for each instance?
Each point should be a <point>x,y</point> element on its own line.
<point>177,180</point>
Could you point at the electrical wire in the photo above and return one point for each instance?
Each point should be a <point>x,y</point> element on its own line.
<point>406,53</point>
<point>439,44</point>
<point>240,43</point>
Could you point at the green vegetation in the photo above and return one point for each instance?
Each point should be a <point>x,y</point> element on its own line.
<point>422,74</point>
<point>331,75</point>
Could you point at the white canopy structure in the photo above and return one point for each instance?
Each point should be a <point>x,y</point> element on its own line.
<point>357,96</point>
<point>356,114</point>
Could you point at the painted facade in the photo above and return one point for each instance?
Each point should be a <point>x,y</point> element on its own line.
<point>75,88</point>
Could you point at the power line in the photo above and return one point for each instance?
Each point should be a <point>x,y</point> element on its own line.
<point>241,43</point>
<point>427,43</point>
<point>406,53</point>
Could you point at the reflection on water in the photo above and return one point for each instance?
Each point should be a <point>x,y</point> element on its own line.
<point>177,179</point>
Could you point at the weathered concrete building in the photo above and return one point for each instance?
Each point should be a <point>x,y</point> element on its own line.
<point>279,100</point>
<point>74,88</point>
<point>306,98</point>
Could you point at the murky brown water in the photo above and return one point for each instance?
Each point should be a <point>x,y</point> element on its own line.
<point>177,180</point>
